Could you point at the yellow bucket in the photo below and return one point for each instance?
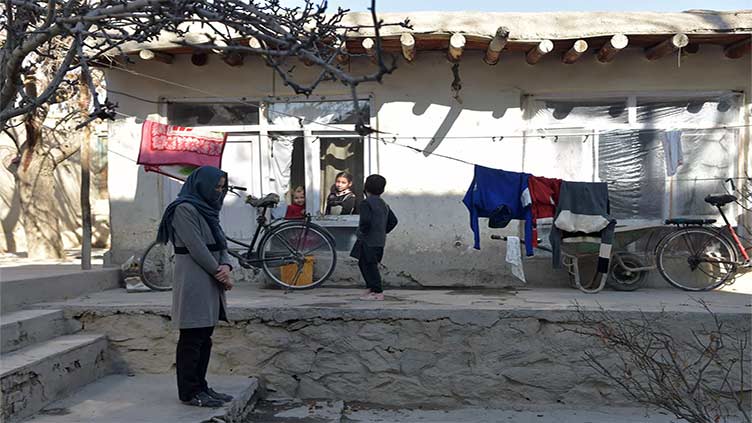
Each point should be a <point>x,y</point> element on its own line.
<point>288,272</point>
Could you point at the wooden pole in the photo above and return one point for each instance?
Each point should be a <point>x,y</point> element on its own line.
<point>408,46</point>
<point>535,54</point>
<point>84,100</point>
<point>456,45</point>
<point>496,46</point>
<point>612,47</point>
<point>369,45</point>
<point>254,42</point>
<point>666,47</point>
<point>156,55</point>
<point>573,54</point>
<point>738,49</point>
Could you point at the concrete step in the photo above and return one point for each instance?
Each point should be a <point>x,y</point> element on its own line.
<point>149,398</point>
<point>20,329</point>
<point>32,377</point>
<point>22,286</point>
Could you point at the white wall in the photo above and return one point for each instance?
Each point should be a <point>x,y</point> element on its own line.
<point>432,243</point>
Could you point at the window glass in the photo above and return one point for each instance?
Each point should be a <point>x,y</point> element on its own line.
<point>212,114</point>
<point>335,112</point>
<point>632,163</point>
<point>341,155</point>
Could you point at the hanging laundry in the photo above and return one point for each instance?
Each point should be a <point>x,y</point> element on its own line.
<point>514,257</point>
<point>176,151</point>
<point>672,150</point>
<point>501,196</point>
<point>544,193</point>
<point>583,207</point>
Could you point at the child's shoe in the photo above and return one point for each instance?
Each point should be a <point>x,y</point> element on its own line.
<point>373,296</point>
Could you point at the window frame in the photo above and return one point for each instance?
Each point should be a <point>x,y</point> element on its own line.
<point>310,132</point>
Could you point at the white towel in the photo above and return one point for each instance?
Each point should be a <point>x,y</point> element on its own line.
<point>514,257</point>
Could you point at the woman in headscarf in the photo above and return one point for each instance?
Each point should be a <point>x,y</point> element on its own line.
<point>202,275</point>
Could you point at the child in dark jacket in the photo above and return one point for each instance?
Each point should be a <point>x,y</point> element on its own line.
<point>342,200</point>
<point>376,220</point>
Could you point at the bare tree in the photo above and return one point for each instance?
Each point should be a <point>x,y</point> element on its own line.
<point>45,42</point>
<point>704,379</point>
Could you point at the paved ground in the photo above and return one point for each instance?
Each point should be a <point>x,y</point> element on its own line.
<point>18,266</point>
<point>144,399</point>
<point>296,411</point>
<point>249,298</point>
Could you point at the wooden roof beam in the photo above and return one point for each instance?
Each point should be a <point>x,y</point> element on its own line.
<point>738,49</point>
<point>369,45</point>
<point>233,58</point>
<point>456,46</point>
<point>573,54</point>
<point>612,47</point>
<point>156,55</point>
<point>496,46</point>
<point>408,46</point>
<point>537,52</point>
<point>667,47</point>
<point>199,58</point>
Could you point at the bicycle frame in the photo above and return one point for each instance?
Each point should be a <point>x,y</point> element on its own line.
<point>735,237</point>
<point>250,257</point>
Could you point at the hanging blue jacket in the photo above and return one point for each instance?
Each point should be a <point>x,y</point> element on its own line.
<point>501,196</point>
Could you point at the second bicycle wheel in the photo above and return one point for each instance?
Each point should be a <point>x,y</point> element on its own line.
<point>158,266</point>
<point>298,256</point>
<point>696,259</point>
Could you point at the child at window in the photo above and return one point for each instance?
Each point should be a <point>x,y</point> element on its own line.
<point>342,200</point>
<point>376,220</point>
<point>296,210</point>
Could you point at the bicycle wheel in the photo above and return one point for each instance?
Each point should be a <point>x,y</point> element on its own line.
<point>696,259</point>
<point>158,266</point>
<point>298,256</point>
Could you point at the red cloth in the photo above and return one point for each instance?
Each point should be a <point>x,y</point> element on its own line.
<point>163,146</point>
<point>544,193</point>
<point>295,211</point>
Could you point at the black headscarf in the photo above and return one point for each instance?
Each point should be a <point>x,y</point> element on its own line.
<point>200,191</point>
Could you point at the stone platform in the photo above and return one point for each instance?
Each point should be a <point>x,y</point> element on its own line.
<point>430,348</point>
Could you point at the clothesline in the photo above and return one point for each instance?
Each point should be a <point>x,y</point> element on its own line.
<point>456,159</point>
<point>394,137</point>
<point>418,150</point>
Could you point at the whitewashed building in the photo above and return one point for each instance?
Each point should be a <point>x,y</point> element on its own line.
<point>578,96</point>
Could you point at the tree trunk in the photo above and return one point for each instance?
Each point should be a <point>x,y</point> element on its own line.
<point>35,182</point>
<point>36,185</point>
<point>83,103</point>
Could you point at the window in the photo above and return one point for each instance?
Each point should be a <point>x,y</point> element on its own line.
<point>341,154</point>
<point>212,114</point>
<point>623,141</point>
<point>329,112</point>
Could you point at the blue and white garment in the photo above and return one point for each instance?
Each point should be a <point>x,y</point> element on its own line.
<point>501,196</point>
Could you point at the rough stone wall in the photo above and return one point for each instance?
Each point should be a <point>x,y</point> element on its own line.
<point>434,358</point>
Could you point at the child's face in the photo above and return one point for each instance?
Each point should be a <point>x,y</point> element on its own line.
<point>298,198</point>
<point>342,184</point>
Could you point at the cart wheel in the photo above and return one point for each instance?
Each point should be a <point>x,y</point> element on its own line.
<point>622,279</point>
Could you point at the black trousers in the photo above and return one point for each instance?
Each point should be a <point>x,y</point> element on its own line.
<point>368,262</point>
<point>192,361</point>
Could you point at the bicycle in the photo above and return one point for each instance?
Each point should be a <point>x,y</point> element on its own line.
<point>294,254</point>
<point>699,257</point>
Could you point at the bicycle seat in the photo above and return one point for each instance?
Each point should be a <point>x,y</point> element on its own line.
<point>270,200</point>
<point>689,221</point>
<point>720,200</point>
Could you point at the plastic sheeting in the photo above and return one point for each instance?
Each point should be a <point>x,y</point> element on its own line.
<point>628,152</point>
